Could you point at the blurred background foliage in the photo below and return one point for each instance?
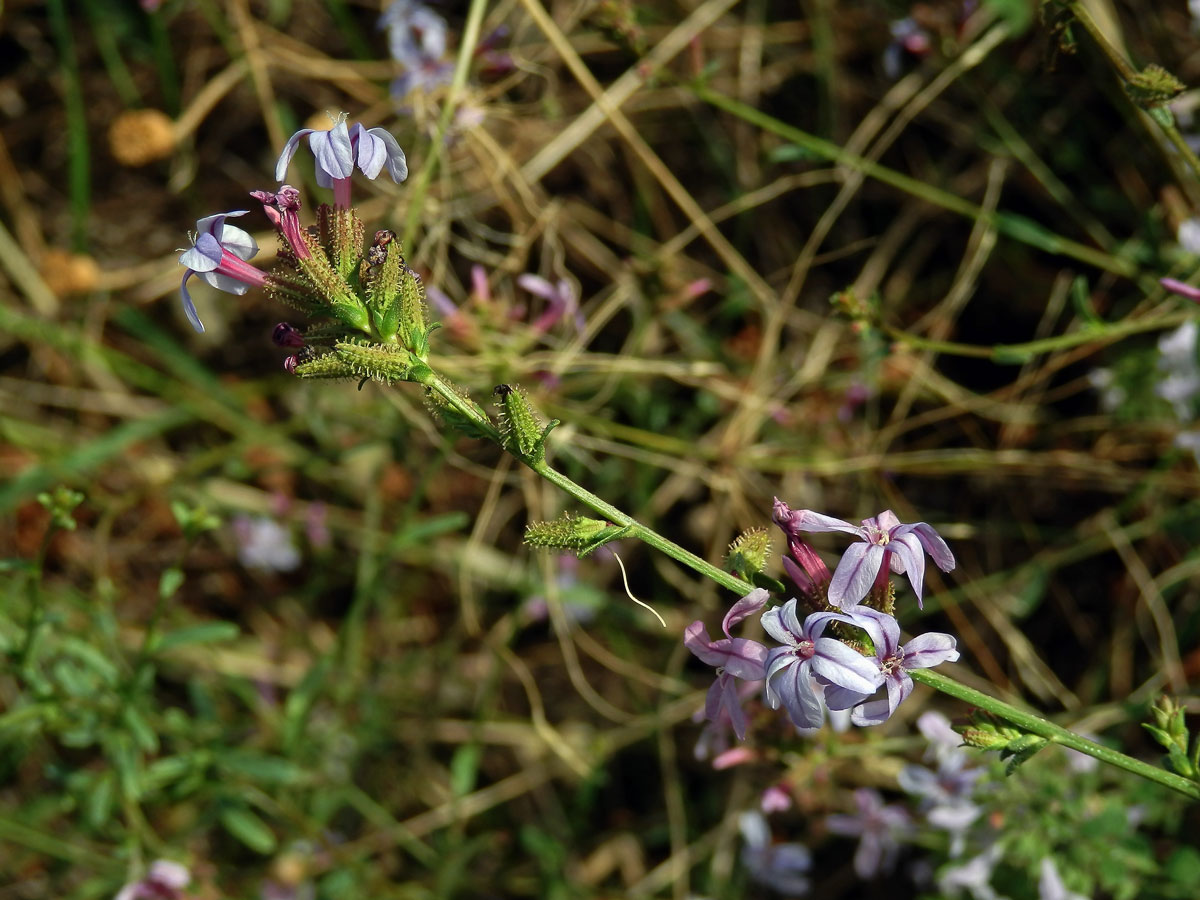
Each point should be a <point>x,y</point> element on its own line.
<point>291,636</point>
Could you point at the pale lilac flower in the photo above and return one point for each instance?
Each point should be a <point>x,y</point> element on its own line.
<point>886,543</point>
<point>781,867</point>
<point>943,740</point>
<point>923,652</point>
<point>416,40</point>
<point>1050,884</point>
<point>1177,360</point>
<point>973,876</point>
<point>218,256</point>
<point>559,296</point>
<point>164,880</point>
<point>878,827</point>
<point>946,795</point>
<point>804,654</point>
<point>264,544</point>
<point>340,149</point>
<point>733,657</point>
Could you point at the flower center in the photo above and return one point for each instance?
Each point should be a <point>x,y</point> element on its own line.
<point>806,649</point>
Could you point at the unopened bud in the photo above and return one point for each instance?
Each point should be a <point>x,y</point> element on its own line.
<point>286,335</point>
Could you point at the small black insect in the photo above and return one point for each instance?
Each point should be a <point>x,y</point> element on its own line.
<point>503,390</point>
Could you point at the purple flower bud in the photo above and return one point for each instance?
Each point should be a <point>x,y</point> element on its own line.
<point>286,335</point>
<point>290,363</point>
<point>281,208</point>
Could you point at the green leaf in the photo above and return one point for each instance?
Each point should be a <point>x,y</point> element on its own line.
<point>1183,866</point>
<point>248,828</point>
<point>139,729</point>
<point>464,767</point>
<point>170,581</point>
<point>98,806</point>
<point>261,767</point>
<point>91,658</point>
<point>205,633</point>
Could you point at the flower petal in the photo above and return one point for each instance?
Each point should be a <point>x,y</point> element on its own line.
<point>838,698</point>
<point>883,629</point>
<point>814,522</point>
<point>930,649</point>
<point>189,308</point>
<point>799,696</point>
<point>780,623</point>
<point>226,283</point>
<point>289,150</point>
<point>937,548</point>
<point>204,256</point>
<point>840,665</point>
<point>397,165</point>
<point>747,606</point>
<point>333,152</point>
<point>240,243</point>
<point>855,573</point>
<point>907,549</point>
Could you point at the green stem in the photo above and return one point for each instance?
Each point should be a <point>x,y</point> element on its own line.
<point>1030,723</point>
<point>1098,334</point>
<point>1055,733</point>
<point>78,153</point>
<point>33,624</point>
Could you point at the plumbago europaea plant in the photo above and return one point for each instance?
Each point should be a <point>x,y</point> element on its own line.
<point>838,644</point>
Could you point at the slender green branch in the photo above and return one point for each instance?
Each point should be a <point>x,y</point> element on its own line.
<point>1055,733</point>
<point>1030,723</point>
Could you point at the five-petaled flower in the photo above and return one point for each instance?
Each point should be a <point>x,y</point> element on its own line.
<point>218,255</point>
<point>805,653</point>
<point>733,657</point>
<point>878,827</point>
<point>340,149</point>
<point>887,543</point>
<point>893,661</point>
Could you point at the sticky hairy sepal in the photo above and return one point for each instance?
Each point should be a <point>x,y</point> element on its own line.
<point>748,554</point>
<point>521,428</point>
<point>385,363</point>
<point>341,234</point>
<point>577,534</point>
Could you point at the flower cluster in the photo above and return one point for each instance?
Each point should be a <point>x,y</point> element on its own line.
<point>810,672</point>
<point>320,270</point>
<point>369,304</point>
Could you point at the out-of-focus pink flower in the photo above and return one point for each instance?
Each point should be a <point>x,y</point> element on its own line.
<point>164,880</point>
